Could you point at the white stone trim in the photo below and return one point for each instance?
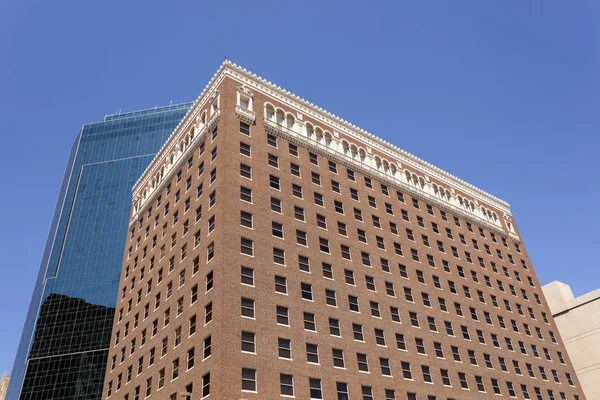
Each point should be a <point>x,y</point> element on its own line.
<point>357,154</point>
<point>368,139</point>
<point>397,181</point>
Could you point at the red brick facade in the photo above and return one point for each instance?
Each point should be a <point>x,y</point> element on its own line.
<point>402,269</point>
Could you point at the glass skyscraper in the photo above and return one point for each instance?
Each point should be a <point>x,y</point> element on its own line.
<point>64,345</point>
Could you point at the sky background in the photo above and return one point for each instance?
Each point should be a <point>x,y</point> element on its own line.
<point>504,95</point>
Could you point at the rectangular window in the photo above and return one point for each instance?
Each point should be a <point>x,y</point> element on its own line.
<point>282,315</point>
<point>312,353</point>
<point>284,348</point>
<point>248,342</point>
<point>245,171</point>
<point>248,380</point>
<point>246,246</point>
<point>286,385</point>
<point>247,308</point>
<point>275,205</point>
<point>245,149</point>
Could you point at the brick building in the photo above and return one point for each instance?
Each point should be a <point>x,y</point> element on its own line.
<point>277,250</point>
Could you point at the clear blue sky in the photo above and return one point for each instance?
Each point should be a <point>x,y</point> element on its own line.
<point>505,95</point>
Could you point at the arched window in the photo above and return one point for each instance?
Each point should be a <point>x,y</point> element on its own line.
<point>318,135</point>
<point>346,147</point>
<point>362,154</point>
<point>353,151</point>
<point>269,112</point>
<point>280,117</point>
<point>310,131</point>
<point>290,121</point>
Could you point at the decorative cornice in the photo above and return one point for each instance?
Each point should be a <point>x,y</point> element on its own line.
<point>367,170</point>
<point>170,152</point>
<point>250,79</point>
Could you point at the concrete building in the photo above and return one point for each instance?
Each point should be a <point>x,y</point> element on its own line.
<point>275,249</point>
<point>578,322</point>
<point>3,385</point>
<point>64,345</point>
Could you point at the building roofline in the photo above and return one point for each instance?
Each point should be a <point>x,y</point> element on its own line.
<point>228,68</point>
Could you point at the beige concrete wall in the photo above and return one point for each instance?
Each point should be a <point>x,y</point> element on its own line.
<point>578,321</point>
<point>3,386</point>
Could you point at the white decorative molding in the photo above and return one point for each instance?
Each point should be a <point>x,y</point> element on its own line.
<point>245,115</point>
<point>389,163</point>
<point>426,192</point>
<point>307,108</point>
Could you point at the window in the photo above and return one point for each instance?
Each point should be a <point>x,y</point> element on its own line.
<point>278,256</point>
<point>414,320</point>
<point>246,219</point>
<point>357,332</point>
<point>334,327</point>
<point>309,322</point>
<point>315,389</point>
<point>379,337</point>
<point>306,290</point>
<point>324,245</point>
<point>335,186</point>
<point>277,229</point>
<point>274,182</point>
<point>389,289</point>
<point>420,346</point>
<point>342,391</point>
<point>312,353</point>
<point>297,190</point>
<point>406,372</point>
<point>248,379</point>
<point>247,308</point>
<point>338,358</point>
<point>280,284</point>
<point>273,161</point>
<point>463,380</point>
<point>247,276</point>
<point>384,364</point>
<point>321,221</point>
<point>363,364</point>
<point>293,149</point>
<point>282,315</point>
<point>248,342</point>
<point>316,178</point>
<point>425,370</point>
<point>275,205</point>
<point>332,167</point>
<point>330,297</point>
<point>353,303</point>
<point>244,127</point>
<point>299,213</point>
<point>245,149</point>
<point>345,250</point>
<point>375,309</point>
<point>272,140</point>
<point>295,169</point>
<point>285,348</point>
<point>245,171</point>
<point>286,384</point>
<point>246,246</point>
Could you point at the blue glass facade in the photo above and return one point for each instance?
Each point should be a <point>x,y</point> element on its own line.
<point>64,346</point>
